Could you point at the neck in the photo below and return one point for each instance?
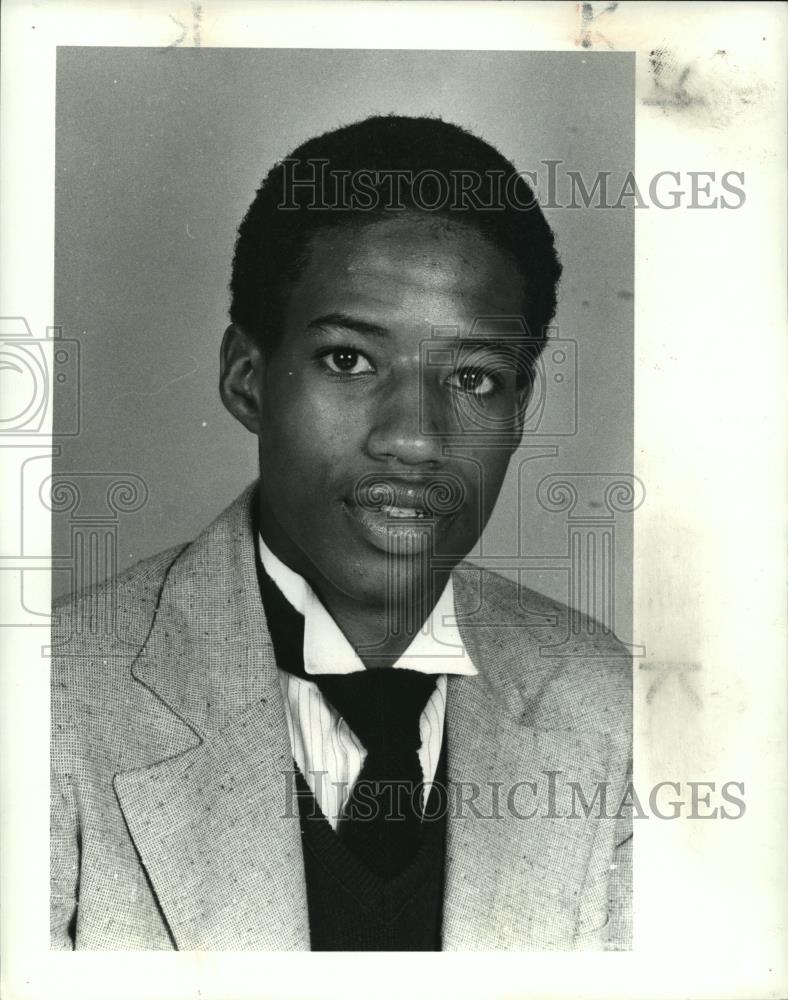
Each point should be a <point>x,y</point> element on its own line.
<point>379,628</point>
<point>381,632</point>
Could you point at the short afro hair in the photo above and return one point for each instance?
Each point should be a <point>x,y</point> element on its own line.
<point>372,169</point>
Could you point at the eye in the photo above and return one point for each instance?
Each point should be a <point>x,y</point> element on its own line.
<point>475,381</point>
<point>347,361</point>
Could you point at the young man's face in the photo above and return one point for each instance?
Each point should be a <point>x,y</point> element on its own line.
<point>381,454</point>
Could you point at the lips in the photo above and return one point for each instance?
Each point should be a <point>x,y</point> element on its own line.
<point>400,497</point>
<point>403,516</point>
<point>395,499</point>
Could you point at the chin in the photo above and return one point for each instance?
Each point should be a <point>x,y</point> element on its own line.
<point>382,579</point>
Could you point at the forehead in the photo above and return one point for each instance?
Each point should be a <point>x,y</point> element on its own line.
<point>414,270</point>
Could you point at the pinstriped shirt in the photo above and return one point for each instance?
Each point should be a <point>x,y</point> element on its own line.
<point>327,752</point>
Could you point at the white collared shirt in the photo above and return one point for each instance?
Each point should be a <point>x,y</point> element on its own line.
<point>328,753</point>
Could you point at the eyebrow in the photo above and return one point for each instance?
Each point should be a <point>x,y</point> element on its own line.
<point>346,322</point>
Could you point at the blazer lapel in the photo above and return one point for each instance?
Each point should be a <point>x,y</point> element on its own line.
<point>216,825</point>
<point>516,860</point>
<point>217,830</point>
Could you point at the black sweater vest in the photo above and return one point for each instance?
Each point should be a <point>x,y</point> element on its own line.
<point>350,907</point>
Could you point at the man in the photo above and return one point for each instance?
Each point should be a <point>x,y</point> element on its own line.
<point>317,726</point>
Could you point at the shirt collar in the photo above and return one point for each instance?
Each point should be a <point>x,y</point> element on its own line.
<point>437,649</point>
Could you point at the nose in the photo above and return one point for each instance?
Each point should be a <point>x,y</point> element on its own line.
<point>406,425</point>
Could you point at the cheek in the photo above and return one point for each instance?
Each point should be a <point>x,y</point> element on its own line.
<point>486,472</point>
<point>309,431</point>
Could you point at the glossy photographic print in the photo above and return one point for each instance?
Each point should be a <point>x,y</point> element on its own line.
<point>384,318</point>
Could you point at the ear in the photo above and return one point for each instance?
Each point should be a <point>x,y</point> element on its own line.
<point>240,378</point>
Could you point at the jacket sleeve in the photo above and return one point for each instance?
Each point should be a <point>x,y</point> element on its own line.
<point>64,863</point>
<point>619,936</point>
<point>620,890</point>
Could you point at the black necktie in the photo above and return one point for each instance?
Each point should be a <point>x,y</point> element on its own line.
<point>381,821</point>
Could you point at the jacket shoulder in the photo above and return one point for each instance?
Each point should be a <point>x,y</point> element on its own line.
<point>534,610</point>
<point>570,671</point>
<point>102,720</point>
<point>113,617</point>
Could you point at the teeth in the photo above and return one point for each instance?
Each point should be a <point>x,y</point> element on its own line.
<point>404,512</point>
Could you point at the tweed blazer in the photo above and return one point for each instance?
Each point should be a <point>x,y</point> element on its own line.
<point>171,766</point>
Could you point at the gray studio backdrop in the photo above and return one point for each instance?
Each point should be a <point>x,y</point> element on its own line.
<point>158,155</point>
